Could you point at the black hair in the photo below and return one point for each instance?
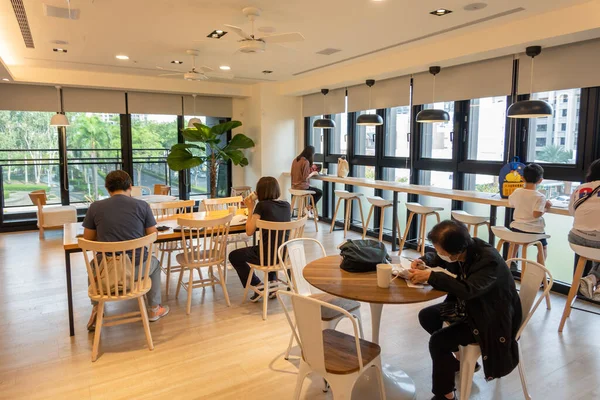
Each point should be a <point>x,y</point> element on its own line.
<point>533,173</point>
<point>267,188</point>
<point>452,236</point>
<point>593,172</point>
<point>117,180</point>
<point>308,153</point>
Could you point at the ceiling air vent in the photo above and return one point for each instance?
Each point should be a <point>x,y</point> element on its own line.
<point>327,52</point>
<point>61,12</point>
<point>21,15</point>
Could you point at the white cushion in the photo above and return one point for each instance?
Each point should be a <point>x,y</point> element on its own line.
<point>379,202</point>
<point>344,194</point>
<point>421,209</point>
<point>298,192</point>
<point>58,216</point>
<point>588,252</point>
<point>466,218</point>
<point>515,237</point>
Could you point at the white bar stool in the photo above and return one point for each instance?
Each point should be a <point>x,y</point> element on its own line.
<point>516,240</point>
<point>470,220</point>
<point>243,191</point>
<point>347,197</point>
<point>585,254</point>
<point>424,212</point>
<point>304,199</point>
<point>382,203</point>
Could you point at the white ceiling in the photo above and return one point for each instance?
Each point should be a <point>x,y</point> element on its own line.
<point>154,32</point>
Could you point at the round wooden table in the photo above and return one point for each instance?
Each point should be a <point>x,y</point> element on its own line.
<point>325,274</point>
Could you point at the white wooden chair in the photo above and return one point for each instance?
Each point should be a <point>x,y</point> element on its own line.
<point>338,358</point>
<point>137,191</point>
<point>272,234</point>
<point>532,277</point>
<point>292,253</point>
<point>223,204</point>
<point>114,278</point>
<point>205,249</point>
<point>51,217</point>
<point>165,211</point>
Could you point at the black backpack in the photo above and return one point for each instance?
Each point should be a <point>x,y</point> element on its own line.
<point>363,255</point>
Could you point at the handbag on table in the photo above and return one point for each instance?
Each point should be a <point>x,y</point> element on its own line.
<point>363,255</point>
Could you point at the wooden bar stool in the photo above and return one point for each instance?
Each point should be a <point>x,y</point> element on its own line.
<point>524,240</point>
<point>347,197</point>
<point>377,201</point>
<point>423,212</point>
<point>243,191</point>
<point>585,254</point>
<point>304,199</point>
<point>471,220</point>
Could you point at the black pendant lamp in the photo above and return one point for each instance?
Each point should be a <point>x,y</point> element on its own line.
<point>433,115</point>
<point>324,123</point>
<point>530,108</point>
<point>369,119</point>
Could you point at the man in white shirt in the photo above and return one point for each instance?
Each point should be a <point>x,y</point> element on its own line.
<point>530,205</point>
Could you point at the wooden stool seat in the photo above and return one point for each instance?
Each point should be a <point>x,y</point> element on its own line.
<point>347,196</point>
<point>305,198</point>
<point>585,254</point>
<point>344,194</point>
<point>379,201</point>
<point>299,192</point>
<point>423,212</point>
<point>421,209</point>
<point>470,220</point>
<point>340,352</point>
<point>382,203</point>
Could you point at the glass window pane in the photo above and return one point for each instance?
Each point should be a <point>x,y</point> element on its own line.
<point>436,139</point>
<point>316,135</point>
<point>487,120</point>
<point>401,175</point>
<point>29,159</point>
<point>365,137</point>
<point>339,135</point>
<point>93,150</point>
<point>363,171</point>
<point>397,132</point>
<point>485,184</point>
<point>554,139</point>
<point>438,179</point>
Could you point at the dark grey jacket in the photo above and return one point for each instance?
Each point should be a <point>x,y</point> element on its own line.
<point>492,303</point>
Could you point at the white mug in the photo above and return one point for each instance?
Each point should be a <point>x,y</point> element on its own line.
<point>324,171</point>
<point>384,275</point>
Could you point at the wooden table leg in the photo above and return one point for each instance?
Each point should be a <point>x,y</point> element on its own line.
<point>395,224</point>
<point>572,292</point>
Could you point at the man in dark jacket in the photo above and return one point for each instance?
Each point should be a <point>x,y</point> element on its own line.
<point>482,305</point>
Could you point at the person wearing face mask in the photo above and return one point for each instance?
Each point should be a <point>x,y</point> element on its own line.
<point>482,305</point>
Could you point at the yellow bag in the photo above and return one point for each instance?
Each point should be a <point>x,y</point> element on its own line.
<point>343,168</point>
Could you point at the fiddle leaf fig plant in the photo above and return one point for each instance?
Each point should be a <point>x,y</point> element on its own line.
<point>210,149</point>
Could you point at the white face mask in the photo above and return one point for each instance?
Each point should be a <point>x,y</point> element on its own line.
<point>445,258</point>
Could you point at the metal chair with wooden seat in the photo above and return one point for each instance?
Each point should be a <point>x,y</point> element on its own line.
<point>341,359</point>
<point>272,235</point>
<point>347,196</point>
<point>165,211</point>
<point>204,246</point>
<point>423,212</point>
<point>53,216</point>
<point>162,190</point>
<point>301,200</point>
<point>292,254</point>
<point>382,203</point>
<point>470,220</point>
<point>119,271</point>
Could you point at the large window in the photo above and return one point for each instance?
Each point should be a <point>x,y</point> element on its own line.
<point>316,135</point>
<point>487,120</point>
<point>365,137</point>
<point>400,175</point>
<point>339,135</point>
<point>397,132</point>
<point>436,139</point>
<point>363,171</point>
<point>440,179</point>
<point>28,158</point>
<point>93,150</point>
<point>554,139</point>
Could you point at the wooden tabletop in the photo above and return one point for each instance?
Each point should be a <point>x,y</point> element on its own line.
<point>325,274</point>
<point>70,231</point>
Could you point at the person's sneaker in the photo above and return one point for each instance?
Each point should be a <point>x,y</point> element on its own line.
<point>586,287</point>
<point>255,297</point>
<point>158,312</point>
<point>436,397</point>
<point>91,325</point>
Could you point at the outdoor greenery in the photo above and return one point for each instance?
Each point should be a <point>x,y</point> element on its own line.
<point>555,154</point>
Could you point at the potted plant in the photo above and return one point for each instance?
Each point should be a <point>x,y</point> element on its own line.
<point>211,149</point>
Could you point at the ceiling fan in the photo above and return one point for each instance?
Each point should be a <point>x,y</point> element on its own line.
<point>196,74</point>
<point>252,44</point>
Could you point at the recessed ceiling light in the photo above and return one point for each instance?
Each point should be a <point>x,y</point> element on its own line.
<point>122,57</point>
<point>440,12</point>
<point>219,32</point>
<point>475,6</point>
<point>59,50</point>
<point>225,67</point>
<point>5,79</point>
<point>216,34</point>
<point>176,62</point>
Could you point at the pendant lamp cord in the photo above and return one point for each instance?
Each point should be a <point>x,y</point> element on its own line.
<point>433,95</point>
<point>370,89</point>
<point>194,96</point>
<point>531,79</point>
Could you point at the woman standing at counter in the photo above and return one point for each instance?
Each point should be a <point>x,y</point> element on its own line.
<point>302,172</point>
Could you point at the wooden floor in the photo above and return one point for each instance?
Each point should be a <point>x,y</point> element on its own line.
<point>228,353</point>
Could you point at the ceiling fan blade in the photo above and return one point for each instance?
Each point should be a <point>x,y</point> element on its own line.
<point>219,75</point>
<point>204,68</point>
<point>284,37</point>
<point>168,69</point>
<point>239,31</point>
<point>170,74</point>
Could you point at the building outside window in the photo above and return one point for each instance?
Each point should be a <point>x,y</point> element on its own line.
<point>436,139</point>
<point>316,135</point>
<point>397,132</point>
<point>365,137</point>
<point>487,120</point>
<point>339,134</point>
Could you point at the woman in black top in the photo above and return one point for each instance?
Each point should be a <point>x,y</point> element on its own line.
<point>269,208</point>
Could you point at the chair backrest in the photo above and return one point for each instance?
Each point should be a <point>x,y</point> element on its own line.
<point>205,241</point>
<point>243,191</point>
<point>38,197</point>
<point>222,203</point>
<point>535,274</point>
<point>168,209</point>
<point>273,234</point>
<point>115,274</point>
<point>162,190</point>
<point>307,329</point>
<point>296,257</point>
<point>139,191</point>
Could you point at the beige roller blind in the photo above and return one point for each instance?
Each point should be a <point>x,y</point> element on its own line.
<point>335,103</point>
<point>95,101</point>
<point>481,79</point>
<point>384,94</point>
<point>154,103</point>
<point>563,67</point>
<point>208,106</point>
<point>16,97</point>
